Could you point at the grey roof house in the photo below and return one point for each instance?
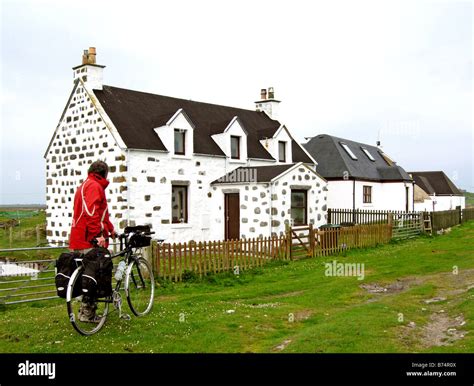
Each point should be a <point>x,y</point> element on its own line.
<point>434,191</point>
<point>360,176</point>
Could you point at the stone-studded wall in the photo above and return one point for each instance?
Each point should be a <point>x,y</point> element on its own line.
<point>140,183</point>
<point>152,175</point>
<point>81,138</point>
<point>266,208</point>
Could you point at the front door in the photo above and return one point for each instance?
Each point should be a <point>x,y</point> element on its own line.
<point>232,216</point>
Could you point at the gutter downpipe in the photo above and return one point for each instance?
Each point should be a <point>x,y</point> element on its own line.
<point>353,200</point>
<point>129,185</point>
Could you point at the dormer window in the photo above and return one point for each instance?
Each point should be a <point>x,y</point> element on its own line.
<point>179,141</point>
<point>282,151</point>
<point>234,147</point>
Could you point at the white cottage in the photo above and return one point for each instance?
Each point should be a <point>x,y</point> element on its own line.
<point>434,191</point>
<point>360,176</point>
<point>171,160</point>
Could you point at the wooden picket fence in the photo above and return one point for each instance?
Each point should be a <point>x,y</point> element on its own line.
<point>361,216</point>
<point>445,219</point>
<point>467,214</point>
<point>330,241</point>
<point>171,261</point>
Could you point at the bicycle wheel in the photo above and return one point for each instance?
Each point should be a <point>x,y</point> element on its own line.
<point>139,286</point>
<point>76,302</point>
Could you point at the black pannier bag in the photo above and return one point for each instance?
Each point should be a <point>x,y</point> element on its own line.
<point>138,240</point>
<point>97,274</point>
<point>65,266</point>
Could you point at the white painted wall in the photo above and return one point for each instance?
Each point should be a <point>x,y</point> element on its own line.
<point>91,75</point>
<point>448,202</point>
<point>152,176</point>
<point>271,144</point>
<point>140,181</point>
<point>166,134</point>
<point>223,140</point>
<point>82,136</point>
<point>265,208</point>
<point>340,194</point>
<point>385,196</point>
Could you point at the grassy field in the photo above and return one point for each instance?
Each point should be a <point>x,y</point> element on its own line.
<point>469,199</point>
<point>23,235</point>
<point>417,296</point>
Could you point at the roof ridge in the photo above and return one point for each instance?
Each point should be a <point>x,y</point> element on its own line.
<point>190,100</point>
<point>362,144</point>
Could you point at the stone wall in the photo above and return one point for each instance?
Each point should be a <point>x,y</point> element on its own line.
<point>80,138</point>
<point>140,183</point>
<point>265,208</point>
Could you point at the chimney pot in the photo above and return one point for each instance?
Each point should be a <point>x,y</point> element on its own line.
<point>92,55</point>
<point>271,93</point>
<point>85,57</point>
<point>263,94</point>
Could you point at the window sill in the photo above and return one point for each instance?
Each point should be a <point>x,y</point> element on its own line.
<point>181,226</point>
<point>178,156</point>
<point>237,161</point>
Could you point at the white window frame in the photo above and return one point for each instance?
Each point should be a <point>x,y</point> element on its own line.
<point>348,150</point>
<point>367,153</point>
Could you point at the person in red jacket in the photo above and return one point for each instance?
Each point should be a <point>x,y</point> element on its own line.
<point>91,222</point>
<point>91,218</point>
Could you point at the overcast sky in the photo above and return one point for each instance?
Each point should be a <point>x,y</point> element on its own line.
<point>363,70</point>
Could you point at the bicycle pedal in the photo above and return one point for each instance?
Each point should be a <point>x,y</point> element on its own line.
<point>125,316</point>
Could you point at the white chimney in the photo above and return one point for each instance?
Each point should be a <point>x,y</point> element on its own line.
<point>268,103</point>
<point>89,71</point>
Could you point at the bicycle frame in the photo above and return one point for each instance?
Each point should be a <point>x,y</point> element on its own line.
<point>133,276</point>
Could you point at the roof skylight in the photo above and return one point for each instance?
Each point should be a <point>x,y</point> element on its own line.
<point>348,151</point>
<point>367,153</point>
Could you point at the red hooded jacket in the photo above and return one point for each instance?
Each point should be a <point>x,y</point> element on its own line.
<point>91,217</point>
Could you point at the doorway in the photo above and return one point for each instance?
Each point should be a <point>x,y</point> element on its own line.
<point>232,216</point>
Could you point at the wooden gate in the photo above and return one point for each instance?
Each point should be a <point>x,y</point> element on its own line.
<point>301,241</point>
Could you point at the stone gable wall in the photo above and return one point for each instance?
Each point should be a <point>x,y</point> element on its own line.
<point>81,138</point>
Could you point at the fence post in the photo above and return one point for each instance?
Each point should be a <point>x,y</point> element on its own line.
<point>37,234</point>
<point>288,241</point>
<point>329,215</point>
<point>311,239</point>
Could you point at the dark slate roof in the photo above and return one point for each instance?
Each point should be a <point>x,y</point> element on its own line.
<point>333,160</point>
<point>135,114</point>
<point>435,183</point>
<point>263,173</point>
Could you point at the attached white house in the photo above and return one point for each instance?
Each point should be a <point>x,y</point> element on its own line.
<point>360,176</point>
<point>171,160</point>
<point>434,191</point>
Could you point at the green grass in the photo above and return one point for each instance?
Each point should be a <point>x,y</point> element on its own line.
<point>23,236</point>
<point>469,199</point>
<point>291,305</point>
